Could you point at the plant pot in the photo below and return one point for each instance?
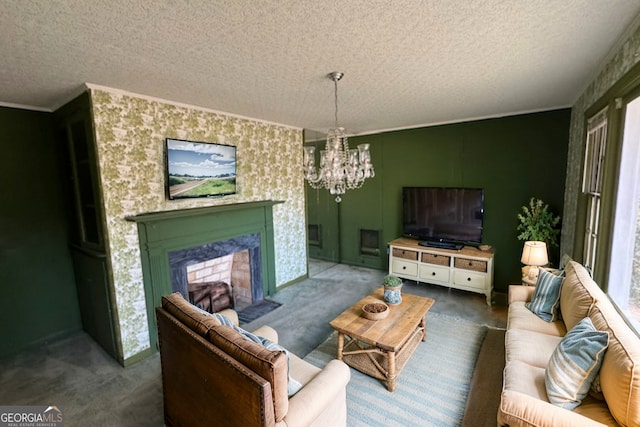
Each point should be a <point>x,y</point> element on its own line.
<point>393,294</point>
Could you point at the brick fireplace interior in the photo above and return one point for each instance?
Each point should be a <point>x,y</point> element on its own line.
<point>221,274</point>
<point>222,282</point>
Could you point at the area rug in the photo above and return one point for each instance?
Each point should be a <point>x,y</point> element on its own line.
<point>254,311</point>
<point>432,388</point>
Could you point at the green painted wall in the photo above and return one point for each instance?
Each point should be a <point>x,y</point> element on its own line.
<point>39,298</point>
<point>512,158</point>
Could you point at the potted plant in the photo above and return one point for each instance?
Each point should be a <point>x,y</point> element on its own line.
<point>392,286</point>
<point>538,223</point>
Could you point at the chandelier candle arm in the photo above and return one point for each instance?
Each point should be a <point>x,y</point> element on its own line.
<point>341,168</point>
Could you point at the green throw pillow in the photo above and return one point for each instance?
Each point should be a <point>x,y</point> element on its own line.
<point>574,364</point>
<point>545,302</point>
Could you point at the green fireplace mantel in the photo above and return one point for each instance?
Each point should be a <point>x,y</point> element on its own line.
<point>163,215</point>
<point>163,232</point>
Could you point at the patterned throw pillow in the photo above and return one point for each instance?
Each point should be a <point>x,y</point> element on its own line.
<point>574,364</point>
<point>545,302</point>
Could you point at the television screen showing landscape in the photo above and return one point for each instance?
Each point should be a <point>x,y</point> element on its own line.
<point>200,169</point>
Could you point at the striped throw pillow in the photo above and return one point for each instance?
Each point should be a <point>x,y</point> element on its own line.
<point>545,302</point>
<point>574,364</point>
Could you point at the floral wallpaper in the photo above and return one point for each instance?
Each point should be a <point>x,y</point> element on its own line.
<point>623,60</point>
<point>130,133</point>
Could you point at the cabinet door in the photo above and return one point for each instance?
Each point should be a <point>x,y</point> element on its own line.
<point>94,298</point>
<point>84,176</point>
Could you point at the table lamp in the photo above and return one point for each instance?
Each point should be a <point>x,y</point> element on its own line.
<point>534,255</point>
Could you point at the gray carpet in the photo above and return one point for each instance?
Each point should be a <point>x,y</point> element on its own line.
<point>92,389</point>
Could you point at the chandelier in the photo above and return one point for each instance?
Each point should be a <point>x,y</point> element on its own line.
<point>341,168</point>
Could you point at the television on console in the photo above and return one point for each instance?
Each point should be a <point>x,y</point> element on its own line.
<point>199,169</point>
<point>443,217</point>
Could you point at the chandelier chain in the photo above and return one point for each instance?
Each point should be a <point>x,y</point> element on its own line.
<point>335,99</point>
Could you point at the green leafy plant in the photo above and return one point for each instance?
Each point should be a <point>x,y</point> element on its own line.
<point>391,281</point>
<point>538,223</point>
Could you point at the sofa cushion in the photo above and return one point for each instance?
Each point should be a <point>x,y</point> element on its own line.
<point>532,348</point>
<point>270,365</point>
<point>187,313</point>
<point>546,296</point>
<point>574,364</point>
<point>519,293</point>
<point>620,370</point>
<point>524,402</point>
<point>578,294</point>
<point>522,318</point>
<point>524,378</point>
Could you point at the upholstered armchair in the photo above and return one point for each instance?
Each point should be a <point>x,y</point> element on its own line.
<point>213,375</point>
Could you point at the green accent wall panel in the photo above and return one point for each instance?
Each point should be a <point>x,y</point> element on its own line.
<point>512,158</point>
<point>325,214</point>
<point>36,274</point>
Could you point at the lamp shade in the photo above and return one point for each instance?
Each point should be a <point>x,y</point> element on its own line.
<point>534,253</point>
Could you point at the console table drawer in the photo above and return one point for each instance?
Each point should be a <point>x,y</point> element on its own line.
<point>469,279</point>
<point>438,274</point>
<point>436,259</point>
<point>470,264</point>
<point>404,268</point>
<point>406,254</point>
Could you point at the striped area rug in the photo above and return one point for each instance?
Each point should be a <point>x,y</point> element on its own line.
<point>432,388</point>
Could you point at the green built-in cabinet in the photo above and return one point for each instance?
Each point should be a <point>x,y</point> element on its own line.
<point>75,137</point>
<point>512,158</point>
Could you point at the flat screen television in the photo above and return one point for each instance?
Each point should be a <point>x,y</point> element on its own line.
<point>443,217</point>
<point>199,169</point>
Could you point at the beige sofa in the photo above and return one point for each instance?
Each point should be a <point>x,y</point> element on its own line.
<point>530,341</point>
<point>212,375</point>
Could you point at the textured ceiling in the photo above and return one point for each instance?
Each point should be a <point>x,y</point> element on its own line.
<point>407,63</point>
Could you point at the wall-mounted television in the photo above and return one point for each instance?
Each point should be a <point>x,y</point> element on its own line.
<point>199,169</point>
<point>443,217</point>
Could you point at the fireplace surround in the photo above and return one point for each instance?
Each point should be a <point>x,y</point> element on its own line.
<point>171,240</point>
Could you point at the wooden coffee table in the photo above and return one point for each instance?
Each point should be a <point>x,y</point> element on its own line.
<point>381,348</point>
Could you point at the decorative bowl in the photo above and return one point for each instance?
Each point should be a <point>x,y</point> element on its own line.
<point>375,310</point>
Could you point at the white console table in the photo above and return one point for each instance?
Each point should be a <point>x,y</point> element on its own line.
<point>468,269</point>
